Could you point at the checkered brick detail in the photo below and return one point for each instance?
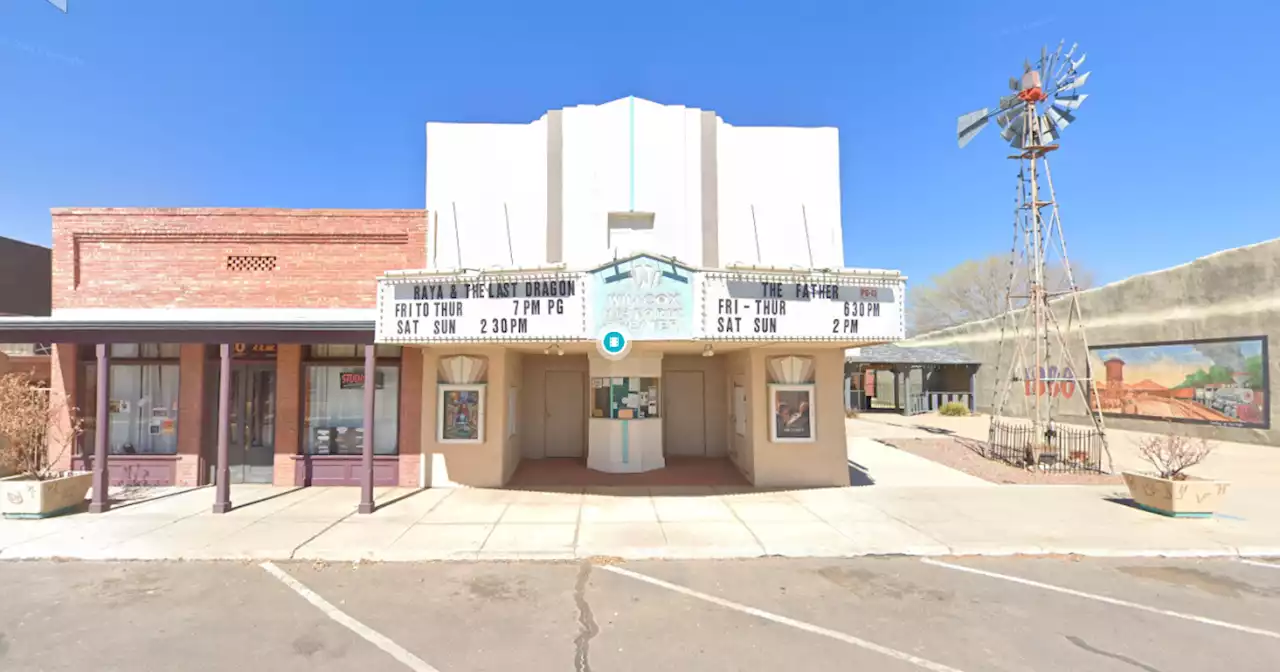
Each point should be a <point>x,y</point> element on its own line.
<point>250,263</point>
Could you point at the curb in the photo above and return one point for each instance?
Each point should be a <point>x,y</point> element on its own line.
<point>651,554</point>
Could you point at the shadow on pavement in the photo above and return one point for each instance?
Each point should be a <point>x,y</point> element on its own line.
<point>237,507</point>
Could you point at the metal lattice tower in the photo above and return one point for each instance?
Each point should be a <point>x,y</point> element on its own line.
<point>1043,103</point>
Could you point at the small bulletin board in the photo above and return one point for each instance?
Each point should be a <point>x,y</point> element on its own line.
<point>627,398</point>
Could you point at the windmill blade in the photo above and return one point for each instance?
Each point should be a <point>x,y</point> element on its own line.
<point>1071,102</point>
<point>60,4</point>
<point>1013,84</point>
<point>1048,132</point>
<point>1009,116</point>
<point>1047,67</point>
<point>1062,67</point>
<point>1007,102</point>
<point>1014,132</point>
<point>1075,65</point>
<point>969,125</point>
<point>1075,83</point>
<point>1061,118</point>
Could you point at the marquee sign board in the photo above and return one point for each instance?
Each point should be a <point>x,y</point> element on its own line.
<point>818,307</point>
<point>477,308</point>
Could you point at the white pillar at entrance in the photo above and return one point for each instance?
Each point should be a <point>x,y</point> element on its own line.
<point>625,445</point>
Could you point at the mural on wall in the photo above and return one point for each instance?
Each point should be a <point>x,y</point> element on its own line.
<point>1218,381</point>
<point>651,298</point>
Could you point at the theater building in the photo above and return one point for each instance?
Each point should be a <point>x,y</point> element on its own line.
<point>635,287</point>
<point>614,289</point>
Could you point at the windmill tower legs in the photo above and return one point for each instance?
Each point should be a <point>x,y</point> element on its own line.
<point>1043,363</point>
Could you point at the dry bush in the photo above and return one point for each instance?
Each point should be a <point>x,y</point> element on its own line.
<point>954,409</point>
<point>37,429</point>
<point>1172,453</point>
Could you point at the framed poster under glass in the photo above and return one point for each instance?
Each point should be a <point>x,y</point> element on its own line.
<point>793,413</point>
<point>460,414</point>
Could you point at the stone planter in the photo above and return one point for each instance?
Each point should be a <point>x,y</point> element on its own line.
<point>25,497</point>
<point>1192,498</point>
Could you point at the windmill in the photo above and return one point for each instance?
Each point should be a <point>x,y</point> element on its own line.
<point>1041,104</point>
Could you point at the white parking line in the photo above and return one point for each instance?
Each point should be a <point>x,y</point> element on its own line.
<point>369,634</point>
<point>799,625</point>
<point>1103,598</point>
<point>1255,563</point>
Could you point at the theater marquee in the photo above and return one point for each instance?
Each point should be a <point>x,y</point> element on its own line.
<point>818,307</point>
<point>478,308</point>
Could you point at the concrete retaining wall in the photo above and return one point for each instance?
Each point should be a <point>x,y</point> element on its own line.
<point>1230,294</point>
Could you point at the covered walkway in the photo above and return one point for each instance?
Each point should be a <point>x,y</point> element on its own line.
<point>908,380</point>
<point>203,330</point>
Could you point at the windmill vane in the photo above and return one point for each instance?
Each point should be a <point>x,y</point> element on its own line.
<point>1045,100</point>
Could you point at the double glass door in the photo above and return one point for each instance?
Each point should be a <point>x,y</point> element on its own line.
<point>251,449</point>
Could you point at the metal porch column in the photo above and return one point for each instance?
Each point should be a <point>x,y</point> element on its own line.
<point>100,503</point>
<point>222,496</point>
<point>366,456</point>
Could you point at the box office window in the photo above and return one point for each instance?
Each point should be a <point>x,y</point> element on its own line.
<point>335,409</point>
<point>142,418</point>
<point>624,398</point>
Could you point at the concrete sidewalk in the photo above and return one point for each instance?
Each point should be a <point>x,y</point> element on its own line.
<point>884,465</point>
<point>469,524</point>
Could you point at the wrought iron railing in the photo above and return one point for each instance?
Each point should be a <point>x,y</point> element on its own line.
<point>1061,448</point>
<point>927,402</point>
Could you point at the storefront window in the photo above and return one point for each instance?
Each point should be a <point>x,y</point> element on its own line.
<point>335,409</point>
<point>142,418</point>
<point>349,351</point>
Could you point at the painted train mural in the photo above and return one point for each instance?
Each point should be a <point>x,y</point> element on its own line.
<point>1220,381</point>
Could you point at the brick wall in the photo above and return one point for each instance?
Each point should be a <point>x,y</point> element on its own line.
<point>229,257</point>
<point>289,407</point>
<point>191,412</point>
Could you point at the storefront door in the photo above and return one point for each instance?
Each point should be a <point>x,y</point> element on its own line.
<point>566,413</point>
<point>684,413</point>
<point>251,450</point>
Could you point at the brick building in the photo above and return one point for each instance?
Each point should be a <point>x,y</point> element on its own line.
<point>154,293</point>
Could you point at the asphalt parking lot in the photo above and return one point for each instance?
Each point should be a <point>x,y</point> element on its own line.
<point>887,614</point>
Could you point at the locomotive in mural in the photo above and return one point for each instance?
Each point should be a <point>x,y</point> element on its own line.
<point>1216,382</point>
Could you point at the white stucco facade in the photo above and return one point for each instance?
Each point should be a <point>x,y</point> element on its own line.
<point>718,194</point>
<point>713,251</point>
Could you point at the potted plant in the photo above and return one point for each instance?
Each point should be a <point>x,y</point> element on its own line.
<point>1170,491</point>
<point>35,430</point>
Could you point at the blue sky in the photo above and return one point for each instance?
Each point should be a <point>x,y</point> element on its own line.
<point>314,103</point>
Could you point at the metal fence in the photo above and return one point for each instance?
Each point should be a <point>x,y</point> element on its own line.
<point>928,402</point>
<point>1061,448</point>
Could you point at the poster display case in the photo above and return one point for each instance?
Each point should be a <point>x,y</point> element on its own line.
<point>460,414</point>
<point>792,414</point>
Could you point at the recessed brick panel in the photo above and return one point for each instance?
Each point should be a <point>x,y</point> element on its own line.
<point>229,257</point>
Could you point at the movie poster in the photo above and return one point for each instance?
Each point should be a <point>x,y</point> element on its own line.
<point>792,413</point>
<point>460,413</point>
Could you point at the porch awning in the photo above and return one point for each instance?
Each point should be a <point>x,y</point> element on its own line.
<point>893,353</point>
<point>193,325</point>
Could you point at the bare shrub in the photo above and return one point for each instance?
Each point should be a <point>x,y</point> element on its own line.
<point>1172,453</point>
<point>36,429</point>
<point>954,409</point>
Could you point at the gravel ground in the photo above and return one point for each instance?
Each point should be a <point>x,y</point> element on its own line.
<point>957,454</point>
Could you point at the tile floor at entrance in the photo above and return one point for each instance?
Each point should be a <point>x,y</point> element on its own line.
<point>680,471</point>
